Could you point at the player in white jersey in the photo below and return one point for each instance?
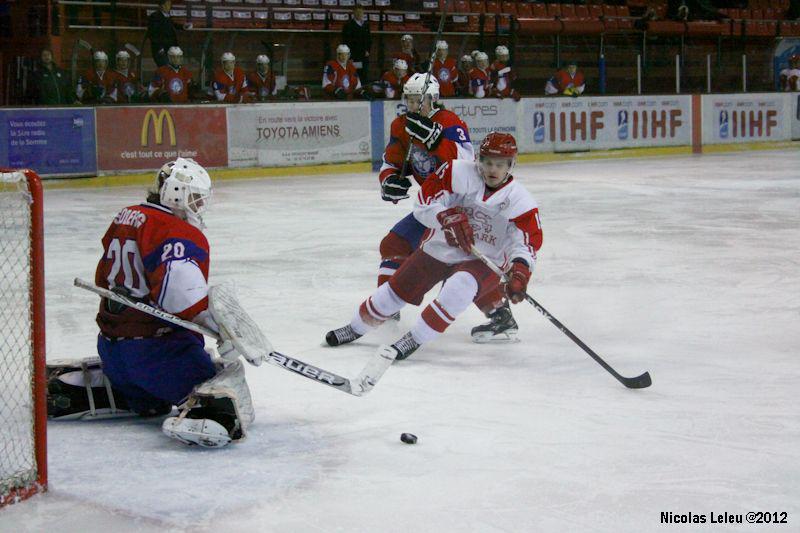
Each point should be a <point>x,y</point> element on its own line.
<point>466,203</point>
<point>790,77</point>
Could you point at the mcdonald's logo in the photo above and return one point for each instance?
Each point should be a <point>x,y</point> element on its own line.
<point>158,126</point>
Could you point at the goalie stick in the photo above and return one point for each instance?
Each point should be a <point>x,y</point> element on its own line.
<point>638,382</point>
<point>358,386</point>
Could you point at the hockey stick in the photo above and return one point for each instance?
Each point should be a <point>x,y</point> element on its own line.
<point>137,57</point>
<point>80,43</point>
<point>424,89</point>
<point>638,382</point>
<point>358,386</point>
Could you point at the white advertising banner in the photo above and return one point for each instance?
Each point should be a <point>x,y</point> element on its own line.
<point>602,123</point>
<point>481,115</point>
<point>795,116</point>
<point>282,134</point>
<point>741,118</point>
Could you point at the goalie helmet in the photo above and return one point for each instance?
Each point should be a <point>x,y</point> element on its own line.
<point>415,86</point>
<point>186,190</point>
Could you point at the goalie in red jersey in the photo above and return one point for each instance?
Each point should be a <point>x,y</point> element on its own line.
<point>436,136</point>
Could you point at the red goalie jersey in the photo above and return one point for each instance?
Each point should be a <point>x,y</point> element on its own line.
<point>158,259</point>
<point>455,144</point>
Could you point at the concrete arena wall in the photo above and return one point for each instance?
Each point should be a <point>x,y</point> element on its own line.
<point>109,141</point>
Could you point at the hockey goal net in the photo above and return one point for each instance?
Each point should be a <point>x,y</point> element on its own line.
<point>23,411</point>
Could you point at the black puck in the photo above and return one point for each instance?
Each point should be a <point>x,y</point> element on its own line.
<point>408,438</point>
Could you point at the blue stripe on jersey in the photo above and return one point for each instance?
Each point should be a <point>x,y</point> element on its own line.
<point>456,134</point>
<point>166,252</point>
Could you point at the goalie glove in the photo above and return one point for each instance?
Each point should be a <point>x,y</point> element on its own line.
<point>394,188</point>
<point>457,230</point>
<point>424,130</point>
<point>236,326</point>
<point>227,351</point>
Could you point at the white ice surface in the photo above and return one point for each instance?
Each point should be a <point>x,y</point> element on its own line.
<point>686,267</point>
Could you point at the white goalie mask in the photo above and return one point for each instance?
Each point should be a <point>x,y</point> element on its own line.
<point>187,191</point>
<point>415,89</point>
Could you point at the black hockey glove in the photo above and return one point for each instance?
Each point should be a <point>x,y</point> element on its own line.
<point>394,188</point>
<point>424,130</point>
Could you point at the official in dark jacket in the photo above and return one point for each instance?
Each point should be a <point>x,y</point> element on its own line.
<point>51,84</point>
<point>162,32</point>
<point>355,34</point>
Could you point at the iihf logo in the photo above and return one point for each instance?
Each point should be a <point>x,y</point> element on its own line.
<point>538,127</point>
<point>723,124</point>
<point>622,124</point>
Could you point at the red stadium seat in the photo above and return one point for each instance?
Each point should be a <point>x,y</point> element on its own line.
<point>568,11</point>
<point>537,26</point>
<point>492,6</point>
<point>610,11</point>
<point>509,7</point>
<point>461,6</point>
<point>553,10</point>
<point>525,10</point>
<point>756,14</point>
<point>477,6</point>
<point>582,12</point>
<point>540,12</point>
<point>623,11</point>
<point>596,11</point>
<point>666,27</point>
<point>704,28</point>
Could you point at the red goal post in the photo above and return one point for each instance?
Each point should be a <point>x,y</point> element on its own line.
<point>23,408</point>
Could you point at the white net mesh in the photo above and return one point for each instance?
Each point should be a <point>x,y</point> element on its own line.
<point>17,445</point>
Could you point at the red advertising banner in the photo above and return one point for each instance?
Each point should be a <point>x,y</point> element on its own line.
<point>144,137</point>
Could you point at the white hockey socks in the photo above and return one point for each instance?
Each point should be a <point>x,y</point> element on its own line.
<point>456,295</point>
<point>376,309</point>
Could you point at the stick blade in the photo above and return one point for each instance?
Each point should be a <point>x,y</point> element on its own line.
<point>639,382</point>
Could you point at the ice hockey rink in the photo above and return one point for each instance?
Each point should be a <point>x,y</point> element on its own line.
<point>683,266</point>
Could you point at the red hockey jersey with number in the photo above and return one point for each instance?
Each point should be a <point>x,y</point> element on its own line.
<point>158,259</point>
<point>455,144</point>
<point>264,87</point>
<point>229,88</point>
<point>447,73</point>
<point>336,76</point>
<point>94,87</point>
<point>175,82</point>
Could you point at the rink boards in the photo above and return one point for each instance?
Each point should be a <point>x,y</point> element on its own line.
<point>123,139</point>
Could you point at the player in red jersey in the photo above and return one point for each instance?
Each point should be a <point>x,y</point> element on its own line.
<point>445,70</point>
<point>97,85</point>
<point>156,253</point>
<point>480,83</point>
<point>171,82</point>
<point>391,83</point>
<point>127,87</point>
<point>465,64</point>
<point>566,82</point>
<point>230,83</point>
<point>502,75</point>
<point>407,53</point>
<point>340,79</point>
<point>262,80</point>
<point>466,204</point>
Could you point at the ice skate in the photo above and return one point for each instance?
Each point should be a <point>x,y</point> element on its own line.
<point>501,327</point>
<point>343,335</point>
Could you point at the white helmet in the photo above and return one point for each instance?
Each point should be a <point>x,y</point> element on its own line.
<point>442,45</point>
<point>186,190</point>
<point>174,51</point>
<point>122,54</point>
<point>474,54</point>
<point>406,37</point>
<point>100,56</point>
<point>262,59</point>
<point>482,56</point>
<point>343,49</point>
<point>501,51</point>
<point>400,64</point>
<point>466,60</point>
<point>228,56</point>
<point>416,86</point>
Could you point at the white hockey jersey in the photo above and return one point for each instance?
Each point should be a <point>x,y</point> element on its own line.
<point>505,221</point>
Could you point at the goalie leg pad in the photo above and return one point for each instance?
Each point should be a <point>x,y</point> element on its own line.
<point>219,411</point>
<point>77,389</point>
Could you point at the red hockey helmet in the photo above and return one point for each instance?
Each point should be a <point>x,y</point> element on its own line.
<point>498,144</point>
<point>497,154</point>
